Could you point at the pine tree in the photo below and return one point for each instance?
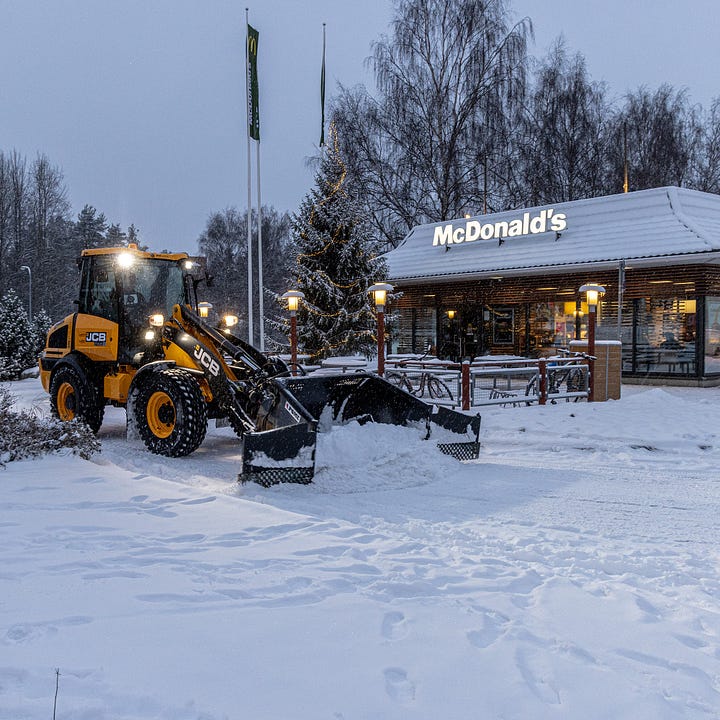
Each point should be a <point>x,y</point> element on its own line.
<point>336,261</point>
<point>91,227</point>
<point>17,338</point>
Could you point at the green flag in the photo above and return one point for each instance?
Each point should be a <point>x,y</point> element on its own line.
<point>253,92</point>
<point>322,94</point>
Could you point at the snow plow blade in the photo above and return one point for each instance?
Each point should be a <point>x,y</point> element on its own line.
<point>285,454</point>
<point>305,405</point>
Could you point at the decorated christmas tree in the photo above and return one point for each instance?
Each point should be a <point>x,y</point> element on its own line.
<point>336,261</point>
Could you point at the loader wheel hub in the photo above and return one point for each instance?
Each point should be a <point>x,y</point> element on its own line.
<point>66,402</point>
<point>161,414</point>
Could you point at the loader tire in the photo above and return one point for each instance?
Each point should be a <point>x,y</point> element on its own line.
<point>73,395</point>
<point>170,412</point>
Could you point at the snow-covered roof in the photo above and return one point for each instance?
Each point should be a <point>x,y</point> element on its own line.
<point>662,226</point>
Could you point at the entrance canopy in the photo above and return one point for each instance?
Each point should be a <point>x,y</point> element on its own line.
<point>660,227</point>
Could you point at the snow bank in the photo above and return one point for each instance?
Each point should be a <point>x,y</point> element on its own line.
<point>571,572</point>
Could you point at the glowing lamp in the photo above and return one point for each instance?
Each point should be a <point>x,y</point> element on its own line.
<point>204,309</point>
<point>379,292</point>
<point>230,320</point>
<point>451,314</point>
<point>293,298</point>
<point>157,320</point>
<point>592,294</point>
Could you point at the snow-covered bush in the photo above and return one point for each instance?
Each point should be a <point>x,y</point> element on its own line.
<point>17,338</point>
<point>24,433</point>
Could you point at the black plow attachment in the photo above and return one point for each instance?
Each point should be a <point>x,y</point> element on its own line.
<point>302,406</point>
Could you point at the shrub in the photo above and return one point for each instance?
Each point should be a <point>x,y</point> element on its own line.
<point>27,434</point>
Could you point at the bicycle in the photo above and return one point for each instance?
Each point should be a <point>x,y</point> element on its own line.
<point>435,388</point>
<point>571,376</point>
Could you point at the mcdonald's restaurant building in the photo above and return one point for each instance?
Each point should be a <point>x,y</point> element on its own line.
<point>508,283</point>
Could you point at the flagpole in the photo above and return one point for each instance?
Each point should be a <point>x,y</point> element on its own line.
<point>249,180</point>
<point>261,308</point>
<point>322,94</point>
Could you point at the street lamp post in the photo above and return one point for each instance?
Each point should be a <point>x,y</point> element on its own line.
<point>293,298</point>
<point>379,292</point>
<point>592,293</point>
<point>25,267</point>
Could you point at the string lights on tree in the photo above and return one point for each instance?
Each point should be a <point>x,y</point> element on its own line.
<point>336,261</point>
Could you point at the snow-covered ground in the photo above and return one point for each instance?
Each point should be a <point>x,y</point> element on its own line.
<point>572,571</point>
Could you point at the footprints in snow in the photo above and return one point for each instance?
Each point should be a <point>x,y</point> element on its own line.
<point>494,626</point>
<point>397,684</point>
<point>394,626</point>
<point>27,632</point>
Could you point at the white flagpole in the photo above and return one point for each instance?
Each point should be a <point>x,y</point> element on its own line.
<point>249,181</point>
<point>261,308</point>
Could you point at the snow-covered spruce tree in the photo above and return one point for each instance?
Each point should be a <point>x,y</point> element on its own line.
<point>42,322</point>
<point>17,338</point>
<point>336,261</point>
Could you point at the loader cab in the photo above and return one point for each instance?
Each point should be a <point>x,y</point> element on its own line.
<point>126,288</point>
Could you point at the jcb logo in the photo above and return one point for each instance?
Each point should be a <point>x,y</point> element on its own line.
<point>96,338</point>
<point>206,360</point>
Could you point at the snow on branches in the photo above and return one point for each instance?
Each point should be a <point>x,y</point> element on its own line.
<point>25,433</point>
<point>336,261</point>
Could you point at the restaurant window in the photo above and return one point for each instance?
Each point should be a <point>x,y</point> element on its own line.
<point>712,335</point>
<point>414,330</point>
<point>554,324</point>
<point>665,335</point>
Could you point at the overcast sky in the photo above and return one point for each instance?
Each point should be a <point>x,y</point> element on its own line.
<point>140,102</point>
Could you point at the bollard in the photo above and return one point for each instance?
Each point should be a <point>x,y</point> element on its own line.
<point>542,369</point>
<point>465,384</point>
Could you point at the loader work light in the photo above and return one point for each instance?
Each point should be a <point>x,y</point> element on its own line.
<point>230,320</point>
<point>125,260</point>
<point>204,309</point>
<point>157,320</point>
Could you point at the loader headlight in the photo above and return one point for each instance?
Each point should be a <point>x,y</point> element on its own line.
<point>125,259</point>
<point>230,320</point>
<point>157,320</point>
<point>149,335</point>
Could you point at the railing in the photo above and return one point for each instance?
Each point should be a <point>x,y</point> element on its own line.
<point>501,382</point>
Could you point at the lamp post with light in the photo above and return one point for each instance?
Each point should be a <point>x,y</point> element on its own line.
<point>204,309</point>
<point>293,298</point>
<point>379,292</point>
<point>592,294</point>
<point>25,267</point>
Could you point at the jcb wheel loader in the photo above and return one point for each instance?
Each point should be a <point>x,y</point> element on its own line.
<point>137,341</point>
